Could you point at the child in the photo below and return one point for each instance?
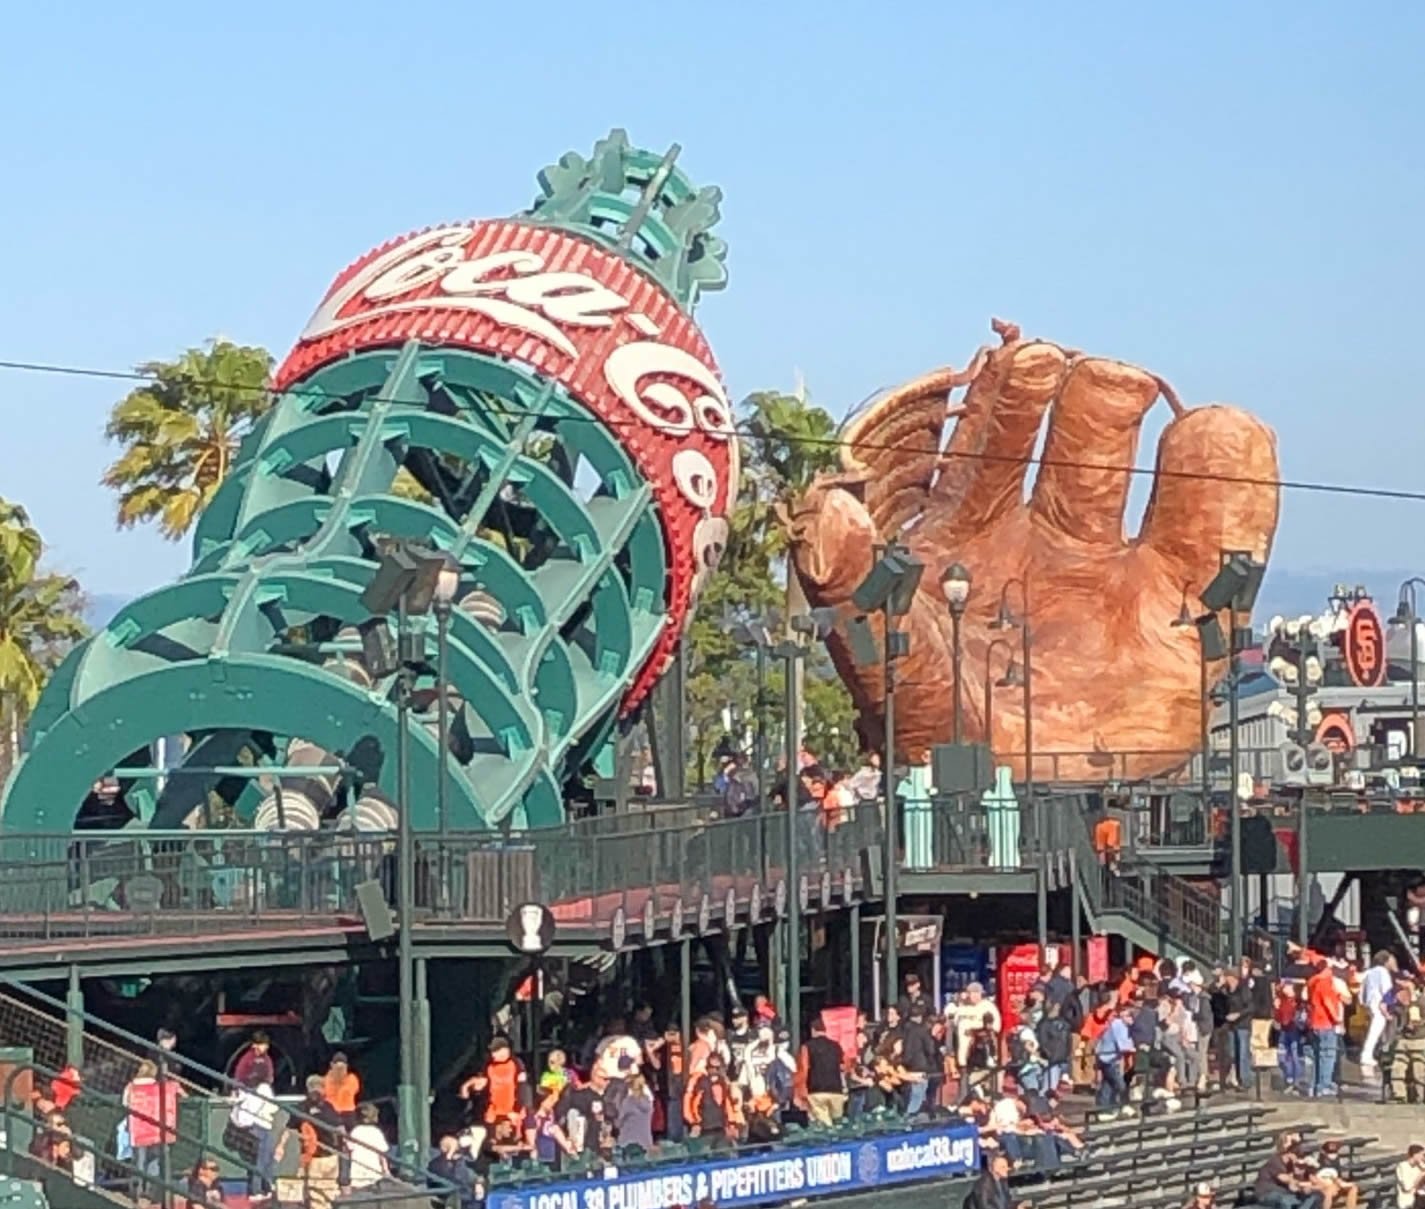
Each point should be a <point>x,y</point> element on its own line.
<point>556,1072</point>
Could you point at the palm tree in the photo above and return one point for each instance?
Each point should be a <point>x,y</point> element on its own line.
<point>40,620</point>
<point>180,431</point>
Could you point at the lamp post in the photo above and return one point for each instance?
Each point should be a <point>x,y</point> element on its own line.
<point>1212,644</point>
<point>755,632</point>
<point>791,651</point>
<point>1005,620</point>
<point>1406,613</point>
<point>1234,588</point>
<point>447,586</point>
<point>889,588</point>
<point>955,583</point>
<point>407,580</point>
<point>997,644</point>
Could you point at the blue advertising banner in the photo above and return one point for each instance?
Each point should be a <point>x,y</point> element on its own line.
<point>763,1179</point>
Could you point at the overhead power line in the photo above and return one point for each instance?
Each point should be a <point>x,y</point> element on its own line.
<point>751,434</point>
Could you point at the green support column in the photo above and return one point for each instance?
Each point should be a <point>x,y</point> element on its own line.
<point>74,1020</point>
<point>776,969</point>
<point>855,920</point>
<point>685,987</point>
<point>422,1048</point>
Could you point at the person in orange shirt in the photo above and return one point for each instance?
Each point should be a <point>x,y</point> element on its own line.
<point>1325,1018</point>
<point>342,1087</point>
<point>504,1082</point>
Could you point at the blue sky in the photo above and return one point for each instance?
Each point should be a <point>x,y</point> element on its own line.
<point>1227,194</point>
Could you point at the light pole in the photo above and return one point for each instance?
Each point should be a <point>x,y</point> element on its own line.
<point>1005,620</point>
<point>1406,614</point>
<point>1234,588</point>
<point>1002,644</point>
<point>791,650</point>
<point>756,633</point>
<point>407,579</point>
<point>889,588</point>
<point>955,583</point>
<point>1212,646</point>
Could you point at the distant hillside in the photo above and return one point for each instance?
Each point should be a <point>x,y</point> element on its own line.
<point>1291,593</point>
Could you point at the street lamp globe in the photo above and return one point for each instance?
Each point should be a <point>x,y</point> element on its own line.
<point>955,583</point>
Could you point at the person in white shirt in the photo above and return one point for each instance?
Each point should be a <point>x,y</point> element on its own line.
<point>969,1015</point>
<point>368,1148</point>
<point>1409,1176</point>
<point>1374,988</point>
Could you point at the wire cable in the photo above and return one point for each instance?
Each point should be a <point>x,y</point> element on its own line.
<point>748,433</point>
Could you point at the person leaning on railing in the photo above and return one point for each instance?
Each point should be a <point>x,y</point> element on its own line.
<point>322,1135</point>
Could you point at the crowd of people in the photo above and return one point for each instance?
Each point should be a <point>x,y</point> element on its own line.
<point>1143,1042</point>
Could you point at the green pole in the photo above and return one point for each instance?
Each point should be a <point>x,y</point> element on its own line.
<point>794,894</point>
<point>685,987</point>
<point>406,1099</point>
<point>889,856</point>
<point>74,1020</point>
<point>423,1096</point>
<point>855,920</point>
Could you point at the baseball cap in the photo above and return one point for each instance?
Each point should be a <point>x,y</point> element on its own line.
<point>1203,1190</point>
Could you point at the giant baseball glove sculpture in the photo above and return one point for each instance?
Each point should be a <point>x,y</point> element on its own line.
<point>1111,673</point>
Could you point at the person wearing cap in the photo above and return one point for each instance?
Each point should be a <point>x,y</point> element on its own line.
<point>740,1037</point>
<point>969,1017</point>
<point>504,1082</point>
<point>1111,1053</point>
<point>322,1136</point>
<point>915,998</point>
<point>1202,1198</point>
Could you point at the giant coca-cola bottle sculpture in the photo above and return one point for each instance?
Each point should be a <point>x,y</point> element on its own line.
<point>568,442</point>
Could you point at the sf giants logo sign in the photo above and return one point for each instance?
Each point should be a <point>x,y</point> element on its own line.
<point>1363,645</point>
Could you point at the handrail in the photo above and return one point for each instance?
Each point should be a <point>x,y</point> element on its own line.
<point>163,1180</point>
<point>171,1058</point>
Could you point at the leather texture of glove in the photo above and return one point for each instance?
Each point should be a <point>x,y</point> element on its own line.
<point>1110,673</point>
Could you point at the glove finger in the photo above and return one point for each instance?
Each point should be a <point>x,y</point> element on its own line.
<point>984,466</point>
<point>1200,504</point>
<point>1082,485</point>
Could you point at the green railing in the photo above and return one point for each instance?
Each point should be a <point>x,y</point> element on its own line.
<point>1168,907</point>
<point>111,1056</point>
<point>146,884</point>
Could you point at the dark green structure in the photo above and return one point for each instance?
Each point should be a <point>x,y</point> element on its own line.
<point>541,382</point>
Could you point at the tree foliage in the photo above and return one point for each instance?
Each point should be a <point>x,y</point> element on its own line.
<point>180,431</point>
<point>41,618</point>
<point>788,442</point>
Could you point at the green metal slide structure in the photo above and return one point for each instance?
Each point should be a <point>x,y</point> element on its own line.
<point>254,659</point>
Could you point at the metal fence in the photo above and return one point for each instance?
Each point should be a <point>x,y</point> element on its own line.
<point>143,884</point>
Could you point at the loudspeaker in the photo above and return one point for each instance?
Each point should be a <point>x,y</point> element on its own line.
<point>375,912</point>
<point>961,768</point>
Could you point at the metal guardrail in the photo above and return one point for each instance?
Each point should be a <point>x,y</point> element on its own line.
<point>960,834</point>
<point>112,1055</point>
<point>109,885</point>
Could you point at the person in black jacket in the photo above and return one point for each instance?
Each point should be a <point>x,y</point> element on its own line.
<point>991,1190</point>
<point>1237,1016</point>
<point>1056,1043</point>
<point>1264,1001</point>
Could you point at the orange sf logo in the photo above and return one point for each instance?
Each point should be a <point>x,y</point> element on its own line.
<point>1365,645</point>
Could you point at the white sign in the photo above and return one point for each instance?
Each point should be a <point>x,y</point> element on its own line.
<point>514,289</point>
